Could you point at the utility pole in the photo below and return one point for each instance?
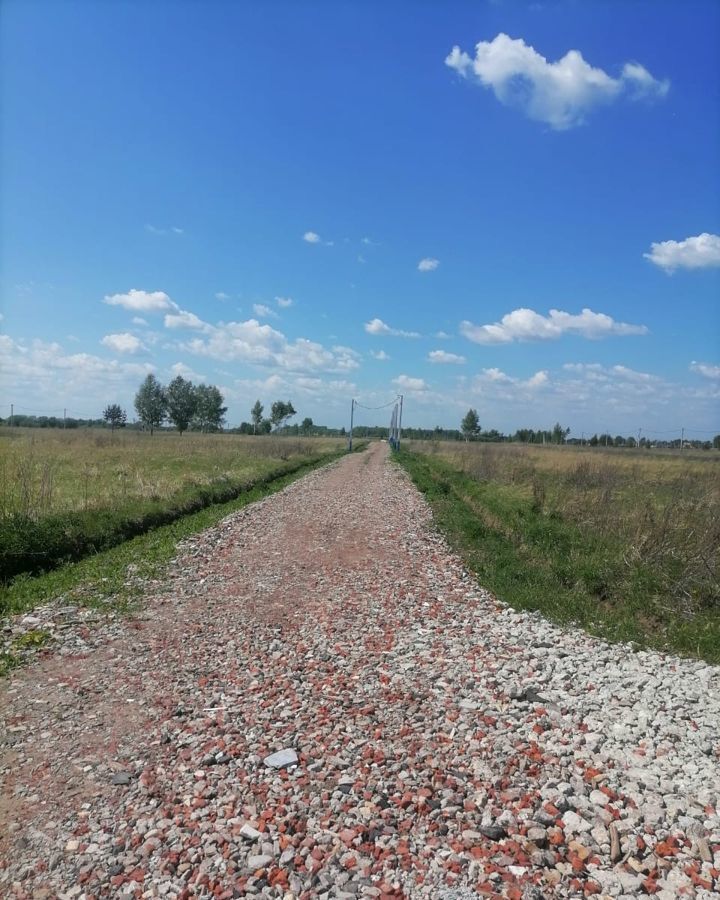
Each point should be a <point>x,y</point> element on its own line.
<point>352,415</point>
<point>399,431</point>
<point>639,432</point>
<point>64,418</point>
<point>682,438</point>
<point>12,412</point>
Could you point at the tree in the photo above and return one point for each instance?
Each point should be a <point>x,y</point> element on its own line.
<point>256,414</point>
<point>306,426</point>
<point>559,433</point>
<point>115,416</point>
<point>470,425</point>
<point>209,409</point>
<point>181,399</point>
<point>150,403</point>
<point>280,412</point>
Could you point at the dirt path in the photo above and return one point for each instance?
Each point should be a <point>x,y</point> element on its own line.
<point>446,746</point>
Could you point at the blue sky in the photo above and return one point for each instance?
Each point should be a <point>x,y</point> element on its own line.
<point>510,206</point>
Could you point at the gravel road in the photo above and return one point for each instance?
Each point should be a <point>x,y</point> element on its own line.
<point>438,744</point>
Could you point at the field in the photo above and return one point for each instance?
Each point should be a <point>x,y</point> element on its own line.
<point>45,471</point>
<point>66,494</point>
<point>625,543</point>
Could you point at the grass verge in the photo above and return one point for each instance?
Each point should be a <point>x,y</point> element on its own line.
<point>538,560</point>
<point>113,579</point>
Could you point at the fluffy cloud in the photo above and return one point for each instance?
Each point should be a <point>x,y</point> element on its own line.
<point>428,264</point>
<point>527,325</point>
<point>44,374</point>
<point>264,312</point>
<point>179,368</point>
<point>185,319</point>
<point>222,296</point>
<point>499,378</point>
<point>123,343</point>
<point>700,252</point>
<point>558,93</point>
<point>406,383</point>
<point>312,238</point>
<point>440,356</point>
<point>377,326</point>
<point>138,320</point>
<point>141,301</point>
<point>284,302</point>
<point>379,354</point>
<point>258,344</point>
<point>704,369</point>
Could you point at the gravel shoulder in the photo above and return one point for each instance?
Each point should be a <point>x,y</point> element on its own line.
<point>442,744</point>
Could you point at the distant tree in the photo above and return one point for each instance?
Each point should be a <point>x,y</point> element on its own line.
<point>112,414</point>
<point>559,433</point>
<point>470,425</point>
<point>256,413</point>
<point>306,426</point>
<point>209,410</point>
<point>265,427</point>
<point>280,412</point>
<point>150,403</point>
<point>181,398</point>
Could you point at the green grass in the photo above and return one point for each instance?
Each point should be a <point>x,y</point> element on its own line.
<point>539,555</point>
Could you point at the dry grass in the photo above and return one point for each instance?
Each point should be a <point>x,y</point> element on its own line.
<point>49,471</point>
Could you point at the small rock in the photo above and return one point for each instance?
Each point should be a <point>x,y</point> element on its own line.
<point>121,778</point>
<point>281,759</point>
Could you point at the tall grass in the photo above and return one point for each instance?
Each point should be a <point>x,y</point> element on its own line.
<point>627,545</point>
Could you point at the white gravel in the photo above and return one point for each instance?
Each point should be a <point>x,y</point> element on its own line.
<point>444,745</point>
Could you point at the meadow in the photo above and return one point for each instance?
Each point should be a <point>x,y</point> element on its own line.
<point>66,494</point>
<point>625,543</point>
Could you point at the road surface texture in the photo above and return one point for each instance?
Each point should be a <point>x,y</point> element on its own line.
<point>440,744</point>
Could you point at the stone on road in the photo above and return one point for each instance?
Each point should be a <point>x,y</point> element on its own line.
<point>319,701</point>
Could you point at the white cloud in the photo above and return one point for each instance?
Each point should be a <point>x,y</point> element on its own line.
<point>43,373</point>
<point>428,264</point>
<point>377,326</point>
<point>138,320</point>
<point>406,383</point>
<point>141,301</point>
<point>179,368</point>
<point>258,344</point>
<point>185,319</point>
<point>558,93</point>
<point>123,343</point>
<point>368,242</point>
<point>527,325</point>
<point>379,354</point>
<point>284,302</point>
<point>499,378</point>
<point>440,356</point>
<point>221,295</point>
<point>312,238</point>
<point>264,312</point>
<point>700,252</point>
<point>443,335</point>
<point>705,369</point>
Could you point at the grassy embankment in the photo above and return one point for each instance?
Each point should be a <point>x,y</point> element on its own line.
<point>109,502</point>
<point>625,544</point>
